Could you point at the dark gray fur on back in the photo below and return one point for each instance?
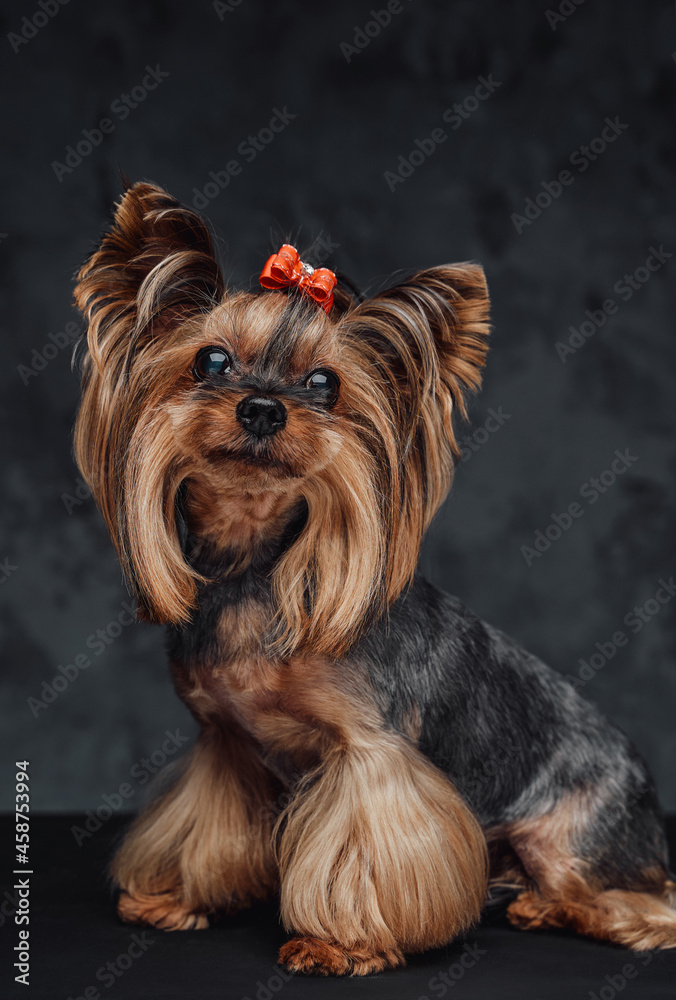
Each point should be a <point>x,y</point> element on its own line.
<point>513,735</point>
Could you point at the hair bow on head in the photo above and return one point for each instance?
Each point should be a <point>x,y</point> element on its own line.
<point>285,269</point>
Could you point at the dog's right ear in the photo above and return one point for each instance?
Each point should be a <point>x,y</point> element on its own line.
<point>155,266</point>
<point>154,269</point>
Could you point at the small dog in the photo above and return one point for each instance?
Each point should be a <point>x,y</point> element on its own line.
<point>267,463</point>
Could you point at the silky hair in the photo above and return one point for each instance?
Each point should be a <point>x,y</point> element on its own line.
<point>409,357</point>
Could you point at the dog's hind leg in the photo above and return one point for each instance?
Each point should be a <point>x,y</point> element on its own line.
<point>596,870</point>
<point>638,920</point>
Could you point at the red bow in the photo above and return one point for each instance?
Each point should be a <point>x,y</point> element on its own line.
<point>286,268</point>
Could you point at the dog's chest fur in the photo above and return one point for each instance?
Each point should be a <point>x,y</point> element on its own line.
<point>293,710</point>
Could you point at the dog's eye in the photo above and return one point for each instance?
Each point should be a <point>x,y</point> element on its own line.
<point>325,382</point>
<point>211,361</point>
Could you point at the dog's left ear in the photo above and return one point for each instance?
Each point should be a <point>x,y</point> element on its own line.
<point>428,336</point>
<point>422,345</point>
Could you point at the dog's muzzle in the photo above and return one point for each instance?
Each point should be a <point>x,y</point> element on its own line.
<point>261,416</point>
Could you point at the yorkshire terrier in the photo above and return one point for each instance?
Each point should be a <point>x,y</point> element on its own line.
<point>267,462</point>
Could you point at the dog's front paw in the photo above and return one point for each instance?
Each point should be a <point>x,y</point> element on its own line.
<point>162,910</point>
<point>311,954</point>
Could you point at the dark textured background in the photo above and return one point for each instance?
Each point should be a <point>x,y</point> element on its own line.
<point>324,174</point>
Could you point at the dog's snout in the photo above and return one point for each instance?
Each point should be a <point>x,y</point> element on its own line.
<point>261,415</point>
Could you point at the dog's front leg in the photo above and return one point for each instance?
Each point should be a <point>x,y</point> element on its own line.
<point>203,845</point>
<point>378,856</point>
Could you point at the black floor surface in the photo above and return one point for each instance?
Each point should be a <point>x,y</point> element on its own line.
<point>79,949</point>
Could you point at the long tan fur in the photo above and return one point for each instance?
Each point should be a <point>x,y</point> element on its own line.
<point>376,852</point>
<point>205,844</point>
<point>409,356</point>
<point>379,855</point>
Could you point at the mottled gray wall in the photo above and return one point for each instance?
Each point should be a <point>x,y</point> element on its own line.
<point>325,174</point>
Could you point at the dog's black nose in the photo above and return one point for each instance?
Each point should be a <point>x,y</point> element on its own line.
<point>260,415</point>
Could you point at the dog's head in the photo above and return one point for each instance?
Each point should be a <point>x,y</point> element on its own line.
<point>260,408</point>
